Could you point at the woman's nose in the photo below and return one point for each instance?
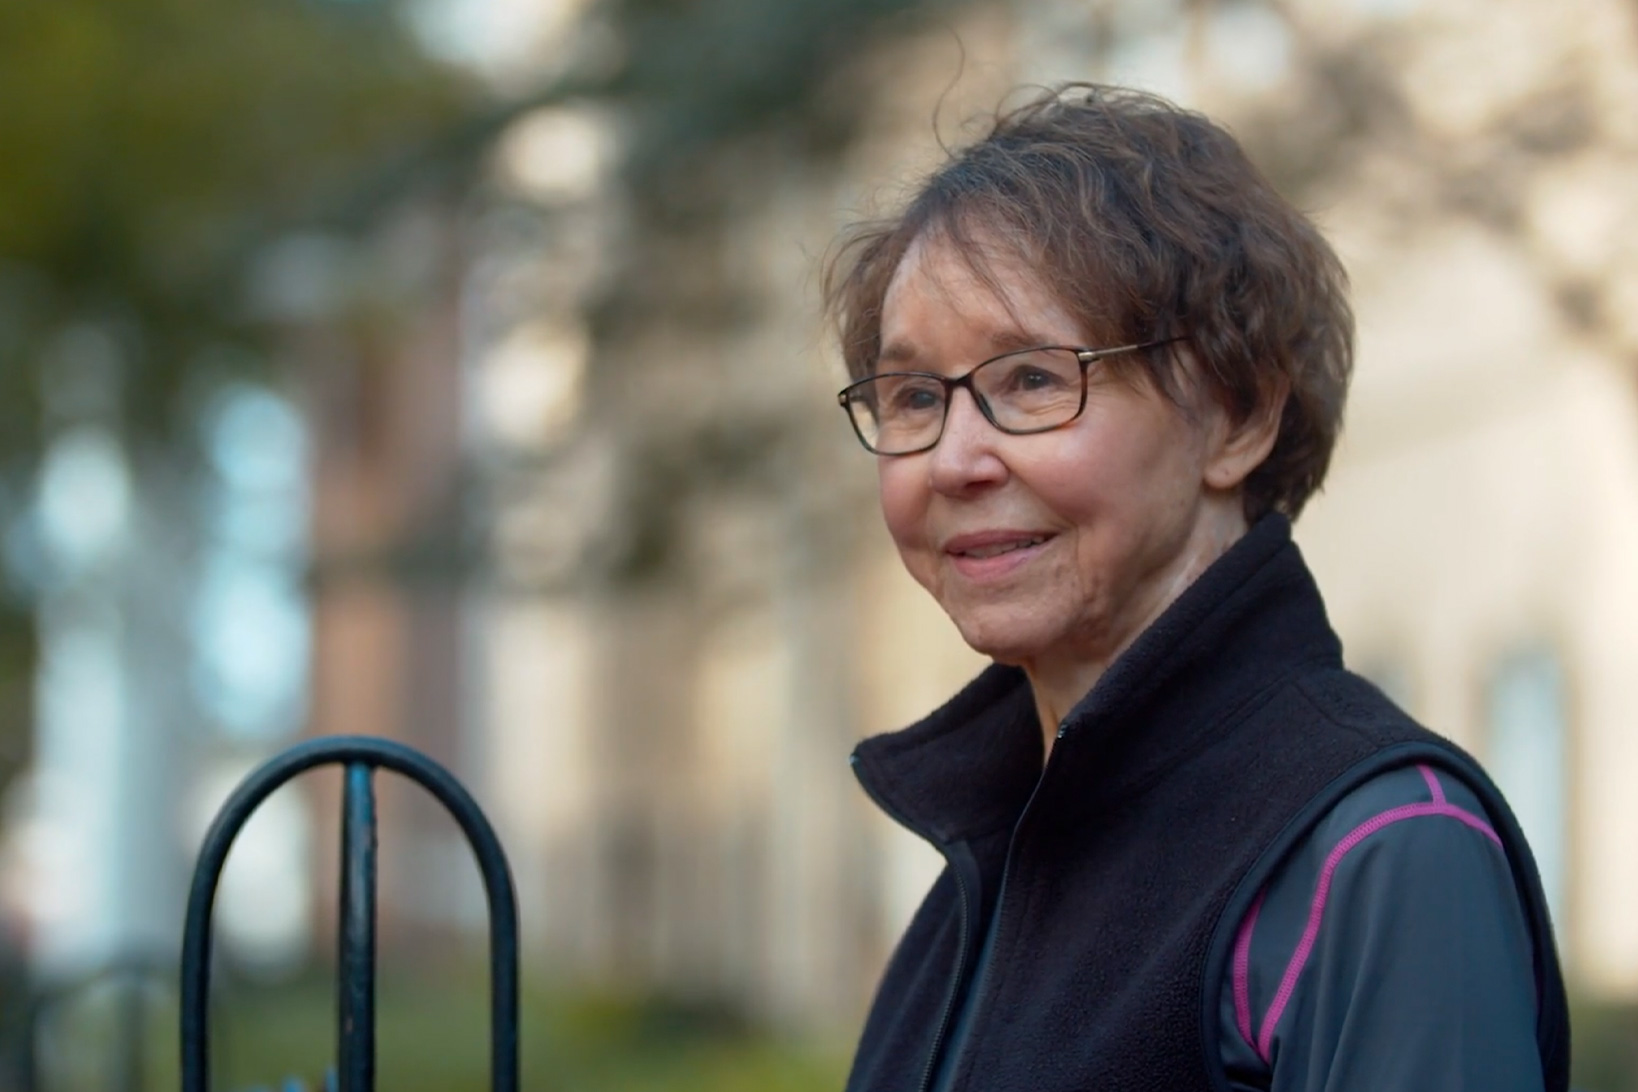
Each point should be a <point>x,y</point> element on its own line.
<point>966,455</point>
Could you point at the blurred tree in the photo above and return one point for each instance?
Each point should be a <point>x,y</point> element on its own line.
<point>151,148</point>
<point>725,98</point>
<point>151,143</point>
<point>155,148</point>
<point>734,113</point>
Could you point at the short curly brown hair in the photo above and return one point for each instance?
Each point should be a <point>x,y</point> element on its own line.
<point>1147,221</point>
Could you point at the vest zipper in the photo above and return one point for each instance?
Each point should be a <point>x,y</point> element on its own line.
<point>963,924</point>
<point>964,921</point>
<point>994,922</point>
<point>954,991</point>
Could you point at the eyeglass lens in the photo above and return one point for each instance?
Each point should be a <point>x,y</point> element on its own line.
<point>1029,391</point>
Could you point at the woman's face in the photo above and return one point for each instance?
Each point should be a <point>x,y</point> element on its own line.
<point>1057,547</point>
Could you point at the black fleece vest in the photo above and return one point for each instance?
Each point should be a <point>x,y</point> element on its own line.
<point>1119,873</point>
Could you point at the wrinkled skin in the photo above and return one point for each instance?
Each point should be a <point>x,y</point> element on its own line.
<point>1094,528</point>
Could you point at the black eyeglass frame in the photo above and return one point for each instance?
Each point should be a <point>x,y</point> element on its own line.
<point>1087,357</point>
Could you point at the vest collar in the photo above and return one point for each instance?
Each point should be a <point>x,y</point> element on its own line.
<point>969,769</point>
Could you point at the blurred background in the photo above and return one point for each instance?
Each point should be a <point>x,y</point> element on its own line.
<point>451,370</point>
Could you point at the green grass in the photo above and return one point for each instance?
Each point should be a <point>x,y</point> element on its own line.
<point>433,1036</point>
<point>1604,1041</point>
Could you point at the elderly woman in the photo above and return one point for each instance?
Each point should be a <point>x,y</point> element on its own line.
<point>1101,365</point>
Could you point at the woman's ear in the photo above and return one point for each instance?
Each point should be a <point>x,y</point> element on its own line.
<point>1241,445</point>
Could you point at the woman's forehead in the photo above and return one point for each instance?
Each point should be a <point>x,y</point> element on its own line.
<point>987,296</point>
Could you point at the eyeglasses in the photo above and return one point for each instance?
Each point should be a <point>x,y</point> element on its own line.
<point>1029,390</point>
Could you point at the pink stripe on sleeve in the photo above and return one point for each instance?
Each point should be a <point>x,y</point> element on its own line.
<point>1242,970</point>
<point>1322,890</point>
<point>1434,787</point>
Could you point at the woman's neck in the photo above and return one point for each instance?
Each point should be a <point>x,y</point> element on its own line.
<point>1061,678</point>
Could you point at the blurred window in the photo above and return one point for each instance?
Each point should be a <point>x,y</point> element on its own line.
<point>250,612</point>
<point>1527,754</point>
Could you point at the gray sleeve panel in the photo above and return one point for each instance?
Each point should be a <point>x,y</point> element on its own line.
<point>1419,976</point>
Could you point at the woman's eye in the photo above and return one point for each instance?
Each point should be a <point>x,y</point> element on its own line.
<point>1034,379</point>
<point>915,399</point>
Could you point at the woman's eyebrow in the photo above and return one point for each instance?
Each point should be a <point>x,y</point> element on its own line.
<point>896,352</point>
<point>1011,339</point>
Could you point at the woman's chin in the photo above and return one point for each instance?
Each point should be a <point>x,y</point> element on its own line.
<point>1011,644</point>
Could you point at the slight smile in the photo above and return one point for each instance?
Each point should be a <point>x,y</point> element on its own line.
<point>992,554</point>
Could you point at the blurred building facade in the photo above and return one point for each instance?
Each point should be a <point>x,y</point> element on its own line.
<point>1476,539</point>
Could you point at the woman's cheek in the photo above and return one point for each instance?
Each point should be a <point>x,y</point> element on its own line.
<point>902,510</point>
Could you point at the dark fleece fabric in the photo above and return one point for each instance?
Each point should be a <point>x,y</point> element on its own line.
<point>1118,873</point>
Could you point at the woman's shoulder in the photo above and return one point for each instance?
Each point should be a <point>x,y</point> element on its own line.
<point>1393,796</point>
<point>1407,834</point>
<point>1398,891</point>
<point>1345,700</point>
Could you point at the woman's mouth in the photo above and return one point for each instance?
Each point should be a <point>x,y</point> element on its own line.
<point>999,548</point>
<point>992,555</point>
